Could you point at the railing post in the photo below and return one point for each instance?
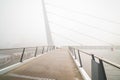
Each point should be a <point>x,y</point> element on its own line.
<point>21,59</point>
<point>80,60</point>
<point>53,48</point>
<point>36,52</point>
<point>102,74</point>
<point>93,57</point>
<point>75,54</point>
<point>47,49</point>
<point>43,50</point>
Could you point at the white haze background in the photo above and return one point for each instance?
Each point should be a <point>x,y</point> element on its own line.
<point>72,22</point>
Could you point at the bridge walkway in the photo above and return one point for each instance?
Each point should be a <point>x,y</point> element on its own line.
<point>55,65</point>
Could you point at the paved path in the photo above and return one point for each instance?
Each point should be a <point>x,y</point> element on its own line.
<point>56,65</point>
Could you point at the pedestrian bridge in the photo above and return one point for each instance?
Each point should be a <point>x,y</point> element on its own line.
<point>51,63</point>
<point>82,25</point>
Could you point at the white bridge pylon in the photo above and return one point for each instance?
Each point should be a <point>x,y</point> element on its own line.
<point>47,27</point>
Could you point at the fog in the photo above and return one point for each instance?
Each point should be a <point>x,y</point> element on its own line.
<point>21,23</point>
<point>72,22</point>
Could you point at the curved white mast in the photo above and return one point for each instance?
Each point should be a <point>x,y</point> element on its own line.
<point>47,27</point>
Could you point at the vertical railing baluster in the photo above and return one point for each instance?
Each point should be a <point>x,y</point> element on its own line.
<point>53,48</point>
<point>93,57</point>
<point>94,70</point>
<point>80,60</point>
<point>47,49</point>
<point>22,55</point>
<point>50,49</point>
<point>43,50</point>
<point>75,54</point>
<point>36,51</point>
<point>103,74</point>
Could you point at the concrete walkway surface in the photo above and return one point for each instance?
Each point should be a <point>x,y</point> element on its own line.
<point>55,65</point>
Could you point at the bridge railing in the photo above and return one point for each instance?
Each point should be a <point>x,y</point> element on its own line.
<point>12,56</point>
<point>97,64</point>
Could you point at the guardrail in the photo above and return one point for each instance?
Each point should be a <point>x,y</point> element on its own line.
<point>16,55</point>
<point>97,68</point>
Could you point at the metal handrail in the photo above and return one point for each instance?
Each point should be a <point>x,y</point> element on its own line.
<point>20,48</point>
<point>23,50</point>
<point>108,62</point>
<point>97,68</point>
<point>23,47</point>
<point>16,48</point>
<point>104,60</point>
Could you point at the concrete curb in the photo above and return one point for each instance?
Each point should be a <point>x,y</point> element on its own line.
<point>81,70</point>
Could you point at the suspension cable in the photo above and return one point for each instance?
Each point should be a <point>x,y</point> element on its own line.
<point>83,34</point>
<point>86,25</point>
<point>81,13</point>
<point>66,38</point>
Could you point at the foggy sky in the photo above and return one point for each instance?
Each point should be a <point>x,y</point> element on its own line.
<point>72,22</point>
